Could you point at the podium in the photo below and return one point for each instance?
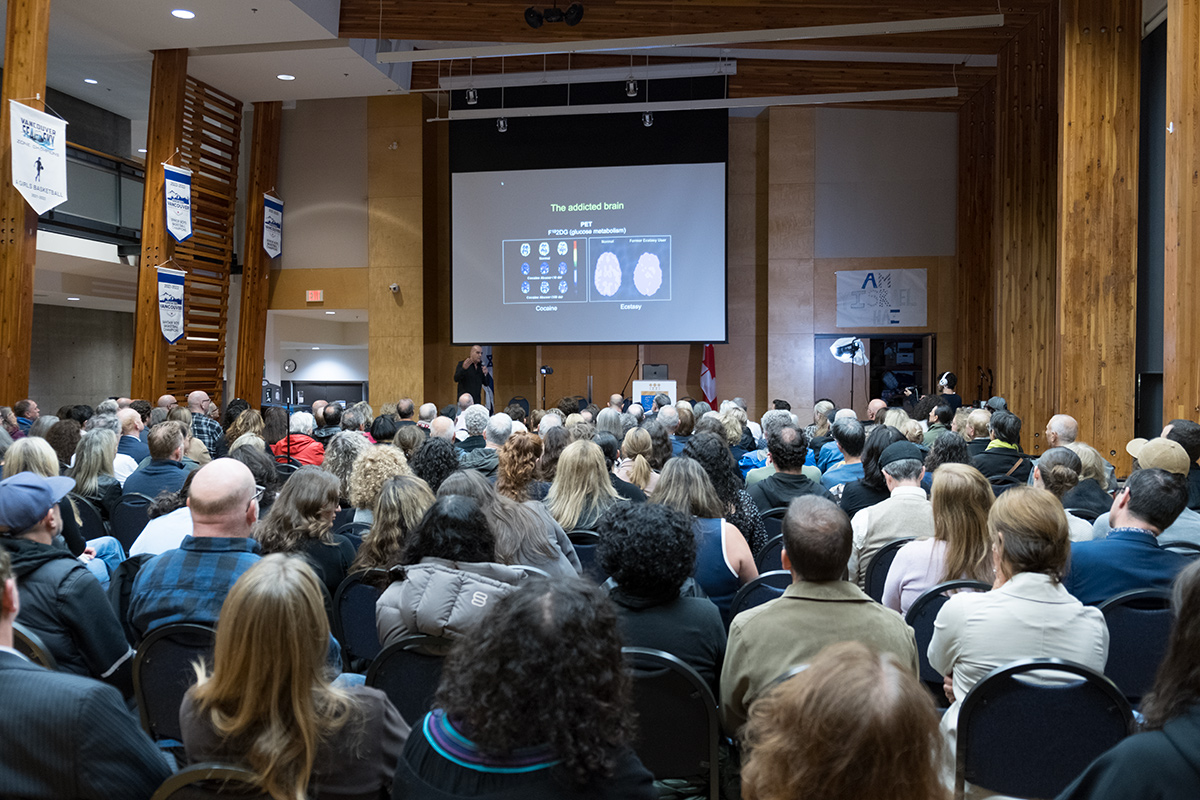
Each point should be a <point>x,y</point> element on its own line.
<point>644,391</point>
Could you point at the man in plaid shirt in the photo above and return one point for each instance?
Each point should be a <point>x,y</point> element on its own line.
<point>189,584</point>
<point>204,427</point>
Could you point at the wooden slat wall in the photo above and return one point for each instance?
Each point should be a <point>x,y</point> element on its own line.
<point>1026,153</point>
<point>211,143</point>
<point>163,136</point>
<point>256,269</point>
<point>976,241</point>
<point>1097,218</point>
<point>26,37</point>
<point>1181,313</point>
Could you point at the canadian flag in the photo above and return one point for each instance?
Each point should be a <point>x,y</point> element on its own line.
<point>708,376</point>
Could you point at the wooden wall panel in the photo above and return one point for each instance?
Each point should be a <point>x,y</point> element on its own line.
<point>256,269</point>
<point>26,37</point>
<point>1026,154</point>
<point>1181,313</point>
<point>1097,219</point>
<point>976,309</point>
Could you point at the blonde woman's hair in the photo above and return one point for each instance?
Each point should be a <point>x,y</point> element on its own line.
<point>1092,461</point>
<point>897,418</point>
<point>686,487</point>
<point>961,499</point>
<point>372,467</point>
<point>298,513</point>
<point>638,446</point>
<point>402,501</point>
<point>93,457</point>
<point>268,696</point>
<point>581,484</point>
<point>914,432</point>
<point>31,454</point>
<point>733,419</point>
<point>249,440</point>
<point>249,421</point>
<point>821,417</point>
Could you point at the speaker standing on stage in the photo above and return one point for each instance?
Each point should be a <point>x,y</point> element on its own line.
<point>472,375</point>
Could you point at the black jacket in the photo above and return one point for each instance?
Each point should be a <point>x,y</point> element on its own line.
<point>1003,461</point>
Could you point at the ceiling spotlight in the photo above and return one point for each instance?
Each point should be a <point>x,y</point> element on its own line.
<point>283,76</point>
<point>631,88</point>
<point>90,81</point>
<point>502,124</point>
<point>472,96</point>
<point>141,149</point>
<point>73,298</point>
<point>533,17</point>
<point>554,14</point>
<point>647,118</point>
<point>574,14</point>
<point>571,16</point>
<point>183,13</point>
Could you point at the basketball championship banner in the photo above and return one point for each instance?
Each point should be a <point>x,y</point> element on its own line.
<point>170,303</point>
<point>272,225</point>
<point>177,184</point>
<point>39,156</point>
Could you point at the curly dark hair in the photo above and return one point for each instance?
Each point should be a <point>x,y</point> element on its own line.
<point>713,454</point>
<point>649,549</point>
<point>434,461</point>
<point>660,444</point>
<point>64,437</point>
<point>947,448</point>
<point>236,406</point>
<point>558,642</point>
<point>454,528</point>
<point>877,442</point>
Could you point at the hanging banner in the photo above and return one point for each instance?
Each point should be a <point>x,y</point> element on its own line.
<point>170,303</point>
<point>880,298</point>
<point>39,156</point>
<point>272,225</point>
<point>177,183</point>
<point>708,376</point>
<point>489,393</point>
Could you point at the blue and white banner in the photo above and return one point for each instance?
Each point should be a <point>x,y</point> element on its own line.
<point>177,183</point>
<point>170,303</point>
<point>881,298</point>
<point>39,156</point>
<point>489,392</point>
<point>272,225</point>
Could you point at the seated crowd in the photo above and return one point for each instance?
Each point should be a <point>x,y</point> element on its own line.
<point>529,547</point>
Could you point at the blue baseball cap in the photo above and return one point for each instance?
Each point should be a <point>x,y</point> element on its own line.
<point>26,497</point>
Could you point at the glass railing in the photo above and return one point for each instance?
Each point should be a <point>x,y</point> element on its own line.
<point>104,198</point>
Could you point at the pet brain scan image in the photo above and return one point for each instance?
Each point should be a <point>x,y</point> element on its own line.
<point>608,274</point>
<point>647,275</point>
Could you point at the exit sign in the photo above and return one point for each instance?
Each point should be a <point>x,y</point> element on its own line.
<point>314,296</point>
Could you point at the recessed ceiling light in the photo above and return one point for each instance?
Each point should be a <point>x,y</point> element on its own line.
<point>90,81</point>
<point>183,13</point>
<point>331,313</point>
<point>141,149</point>
<point>316,348</point>
<point>72,298</point>
<point>283,76</point>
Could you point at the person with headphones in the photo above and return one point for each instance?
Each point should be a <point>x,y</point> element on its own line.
<point>946,384</point>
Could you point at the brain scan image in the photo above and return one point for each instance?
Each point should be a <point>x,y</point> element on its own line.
<point>562,268</point>
<point>525,250</point>
<point>608,274</point>
<point>562,248</point>
<point>525,268</point>
<point>647,275</point>
<point>545,287</point>
<point>544,249</point>
<point>525,287</point>
<point>545,268</point>
<point>562,287</point>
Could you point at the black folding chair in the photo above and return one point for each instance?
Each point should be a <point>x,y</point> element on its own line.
<point>770,558</point>
<point>408,672</point>
<point>1183,548</point>
<point>766,586</point>
<point>877,569</point>
<point>206,781</point>
<point>921,615</point>
<point>1031,738</point>
<point>677,719</point>
<point>585,542</point>
<point>92,524</point>
<point>773,521</point>
<point>163,672</point>
<point>520,401</point>
<point>354,531</point>
<point>286,469</point>
<point>354,622</point>
<point>1139,625</point>
<point>30,645</point>
<point>130,516</point>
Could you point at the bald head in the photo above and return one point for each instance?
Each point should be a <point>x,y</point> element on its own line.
<point>465,401</point>
<point>442,428</point>
<point>167,401</point>
<point>197,402</point>
<point>220,499</point>
<point>874,407</point>
<point>131,421</point>
<point>1061,429</point>
<point>616,401</point>
<point>428,412</point>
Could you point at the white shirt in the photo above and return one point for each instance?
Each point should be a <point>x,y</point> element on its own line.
<point>163,533</point>
<point>123,467</point>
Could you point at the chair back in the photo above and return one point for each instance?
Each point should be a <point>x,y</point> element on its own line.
<point>677,718</point>
<point>1089,514</point>
<point>1188,549</point>
<point>285,469</point>
<point>520,401</point>
<point>773,521</point>
<point>92,521</point>
<point>30,645</point>
<point>766,586</point>
<point>877,570</point>
<point>130,516</point>
<point>585,542</point>
<point>354,531</point>
<point>408,673</point>
<point>120,590</point>
<point>162,674</point>
<point>921,615</point>
<point>354,621</point>
<point>770,558</point>
<point>1139,625</point>
<point>206,781</point>
<point>1031,739</point>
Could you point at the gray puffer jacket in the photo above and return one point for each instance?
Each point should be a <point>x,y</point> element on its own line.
<point>441,598</point>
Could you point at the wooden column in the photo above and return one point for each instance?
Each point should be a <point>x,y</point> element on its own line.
<point>26,34</point>
<point>256,264</point>
<point>1181,290</point>
<point>1100,43</point>
<point>164,134</point>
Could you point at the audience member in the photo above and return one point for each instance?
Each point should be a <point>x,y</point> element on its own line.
<point>204,427</point>
<point>829,454</point>
<point>612,455</point>
<point>786,450</point>
<point>1057,471</point>
<point>737,505</point>
<point>1002,460</point>
<point>131,443</point>
<point>650,552</point>
<point>164,472</point>
<point>167,402</point>
<point>372,467</point>
<point>435,461</point>
<point>854,724</point>
<point>27,413</point>
<point>275,425</point>
<point>581,491</point>
<point>871,488</point>
<point>268,703</point>
<point>63,437</point>
<point>1187,433</point>
<point>849,437</point>
<point>65,735</point>
<point>816,610</point>
<point>960,548</point>
<point>301,523</point>
<point>634,464</point>
<point>33,454</point>
<point>384,427</point>
<point>299,445</point>
<point>977,431</point>
<point>486,460</point>
<point>474,419</point>
<point>44,423</point>
<point>170,522</point>
<point>195,453</point>
<point>660,441</point>
<point>906,512</point>
<point>344,448</point>
<point>330,423</point>
<point>402,502</point>
<point>516,468</point>
<point>1089,493</point>
<point>1028,614</point>
<point>8,419</point>
<point>939,423</point>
